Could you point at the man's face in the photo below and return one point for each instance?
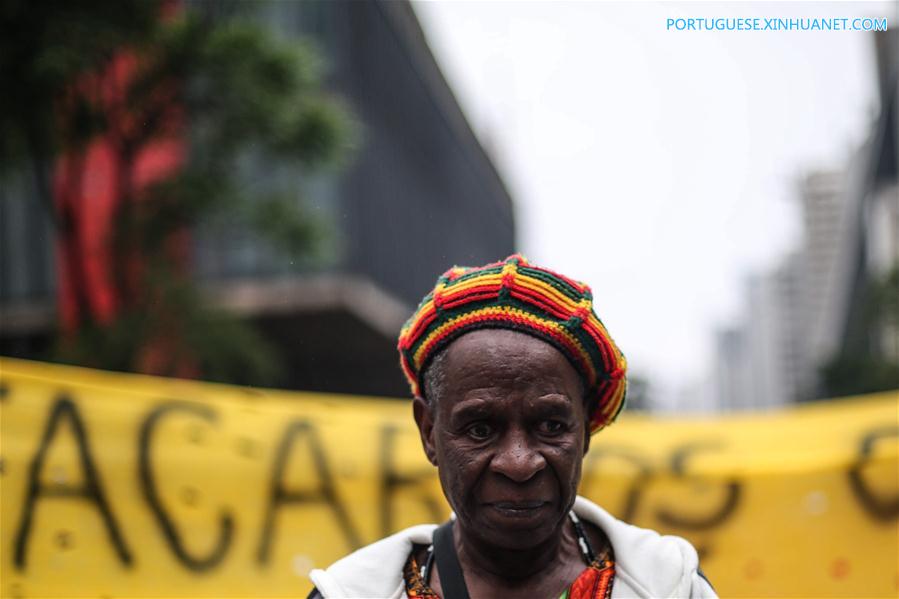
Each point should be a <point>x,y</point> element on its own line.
<point>508,435</point>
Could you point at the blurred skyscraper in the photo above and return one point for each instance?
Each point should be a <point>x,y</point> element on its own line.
<point>826,207</point>
<point>418,196</point>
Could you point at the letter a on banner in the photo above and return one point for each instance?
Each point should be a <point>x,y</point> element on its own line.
<point>92,489</point>
<point>325,493</point>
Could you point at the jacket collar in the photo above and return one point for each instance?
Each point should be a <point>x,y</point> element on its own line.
<point>646,563</point>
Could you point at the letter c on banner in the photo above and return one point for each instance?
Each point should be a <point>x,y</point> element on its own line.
<point>148,486</point>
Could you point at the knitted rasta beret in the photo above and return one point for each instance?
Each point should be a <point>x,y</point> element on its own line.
<point>517,295</point>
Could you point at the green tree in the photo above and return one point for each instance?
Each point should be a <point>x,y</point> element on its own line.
<point>873,364</point>
<point>138,73</point>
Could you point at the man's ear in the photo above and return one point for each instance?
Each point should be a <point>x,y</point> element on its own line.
<point>425,421</point>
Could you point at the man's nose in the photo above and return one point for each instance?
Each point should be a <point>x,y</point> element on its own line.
<point>516,459</point>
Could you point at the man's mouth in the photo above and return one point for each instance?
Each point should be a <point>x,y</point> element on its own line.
<point>518,508</point>
<point>518,505</point>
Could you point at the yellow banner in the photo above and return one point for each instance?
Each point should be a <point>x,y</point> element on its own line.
<point>119,485</point>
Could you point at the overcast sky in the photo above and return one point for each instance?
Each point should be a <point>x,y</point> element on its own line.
<point>658,166</point>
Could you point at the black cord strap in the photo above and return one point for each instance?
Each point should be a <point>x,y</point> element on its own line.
<point>452,581</point>
<point>582,540</point>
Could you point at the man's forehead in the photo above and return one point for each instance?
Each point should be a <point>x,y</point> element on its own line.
<point>500,357</point>
<point>487,398</point>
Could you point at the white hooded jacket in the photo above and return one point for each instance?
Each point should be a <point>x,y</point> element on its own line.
<point>647,565</point>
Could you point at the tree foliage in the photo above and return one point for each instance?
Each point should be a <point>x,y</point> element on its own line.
<point>875,365</point>
<point>135,73</point>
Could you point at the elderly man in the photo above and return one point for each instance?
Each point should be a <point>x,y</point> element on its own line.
<point>512,372</point>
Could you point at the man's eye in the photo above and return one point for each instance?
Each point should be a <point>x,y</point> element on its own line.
<point>551,427</point>
<point>480,431</point>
